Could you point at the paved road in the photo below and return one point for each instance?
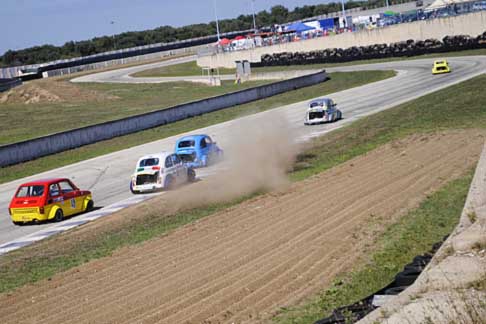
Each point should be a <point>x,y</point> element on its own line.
<point>108,176</point>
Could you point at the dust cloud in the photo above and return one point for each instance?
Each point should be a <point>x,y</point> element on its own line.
<point>260,154</point>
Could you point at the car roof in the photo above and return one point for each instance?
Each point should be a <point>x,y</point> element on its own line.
<point>160,155</point>
<point>43,181</point>
<point>326,100</point>
<point>192,137</point>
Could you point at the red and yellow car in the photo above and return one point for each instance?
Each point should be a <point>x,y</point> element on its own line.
<point>49,199</point>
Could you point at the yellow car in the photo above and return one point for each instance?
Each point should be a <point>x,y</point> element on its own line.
<point>441,66</point>
<point>49,199</point>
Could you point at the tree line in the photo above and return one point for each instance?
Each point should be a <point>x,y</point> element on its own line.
<point>164,34</point>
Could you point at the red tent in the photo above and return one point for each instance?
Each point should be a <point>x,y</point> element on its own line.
<point>239,37</point>
<point>224,41</point>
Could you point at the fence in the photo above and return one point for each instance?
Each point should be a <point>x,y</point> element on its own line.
<point>7,84</point>
<point>49,144</point>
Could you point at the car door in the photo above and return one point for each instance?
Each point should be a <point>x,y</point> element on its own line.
<point>169,168</point>
<point>203,147</point>
<point>56,197</point>
<point>179,168</point>
<point>72,201</point>
<point>210,145</point>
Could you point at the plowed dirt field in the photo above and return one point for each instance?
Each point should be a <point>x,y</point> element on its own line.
<point>241,265</point>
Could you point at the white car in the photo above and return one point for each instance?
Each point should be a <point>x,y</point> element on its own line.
<point>323,110</point>
<point>160,171</point>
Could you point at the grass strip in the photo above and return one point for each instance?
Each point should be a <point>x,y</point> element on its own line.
<point>413,235</point>
<point>86,104</point>
<point>338,82</point>
<point>181,69</point>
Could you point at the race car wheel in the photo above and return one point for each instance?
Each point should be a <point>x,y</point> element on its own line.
<point>18,223</point>
<point>59,216</point>
<point>131,189</point>
<point>204,161</point>
<point>90,206</point>
<point>191,175</point>
<point>168,183</point>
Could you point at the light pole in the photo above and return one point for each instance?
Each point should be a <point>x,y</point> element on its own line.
<point>253,12</point>
<point>217,23</point>
<point>114,43</point>
<point>387,5</point>
<point>344,14</point>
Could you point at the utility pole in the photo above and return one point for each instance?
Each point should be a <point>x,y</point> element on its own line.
<point>253,12</point>
<point>114,42</point>
<point>217,23</point>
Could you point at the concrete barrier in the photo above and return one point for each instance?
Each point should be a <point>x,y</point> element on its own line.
<point>50,144</point>
<point>468,24</point>
<point>7,84</point>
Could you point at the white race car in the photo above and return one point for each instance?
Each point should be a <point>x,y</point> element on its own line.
<point>322,110</point>
<point>160,171</point>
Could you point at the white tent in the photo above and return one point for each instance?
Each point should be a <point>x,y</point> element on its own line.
<point>439,4</point>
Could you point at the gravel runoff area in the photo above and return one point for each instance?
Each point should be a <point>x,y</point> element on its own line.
<point>243,264</point>
<point>447,291</point>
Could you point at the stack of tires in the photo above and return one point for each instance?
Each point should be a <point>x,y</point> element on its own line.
<point>404,48</point>
<point>354,312</point>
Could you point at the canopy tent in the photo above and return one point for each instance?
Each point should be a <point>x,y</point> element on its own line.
<point>239,37</point>
<point>224,41</point>
<point>439,4</point>
<point>298,27</point>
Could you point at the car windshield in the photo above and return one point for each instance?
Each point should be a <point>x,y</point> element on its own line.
<point>317,103</point>
<point>30,191</point>
<point>186,144</point>
<point>149,162</point>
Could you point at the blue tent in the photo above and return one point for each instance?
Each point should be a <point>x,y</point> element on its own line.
<point>298,27</point>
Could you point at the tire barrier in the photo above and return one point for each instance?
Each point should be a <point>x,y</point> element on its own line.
<point>7,84</point>
<point>355,312</point>
<point>50,144</point>
<point>399,49</point>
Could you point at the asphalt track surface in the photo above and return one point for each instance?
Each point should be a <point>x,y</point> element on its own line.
<point>108,176</point>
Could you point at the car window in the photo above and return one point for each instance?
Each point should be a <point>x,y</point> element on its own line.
<point>30,191</point>
<point>186,144</point>
<point>208,140</point>
<point>203,143</point>
<point>149,162</point>
<point>168,162</point>
<point>176,159</point>
<point>54,190</point>
<point>65,187</point>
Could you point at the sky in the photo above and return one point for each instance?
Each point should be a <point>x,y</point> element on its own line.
<point>26,23</point>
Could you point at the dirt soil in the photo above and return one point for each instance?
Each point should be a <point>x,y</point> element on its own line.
<point>245,263</point>
<point>51,91</point>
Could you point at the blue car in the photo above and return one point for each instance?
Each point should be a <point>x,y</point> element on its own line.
<point>198,150</point>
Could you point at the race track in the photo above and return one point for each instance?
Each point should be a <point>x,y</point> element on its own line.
<point>108,176</point>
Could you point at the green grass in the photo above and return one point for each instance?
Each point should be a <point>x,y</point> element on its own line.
<point>338,82</point>
<point>370,61</point>
<point>429,113</point>
<point>413,235</point>
<point>20,121</point>
<point>182,69</point>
